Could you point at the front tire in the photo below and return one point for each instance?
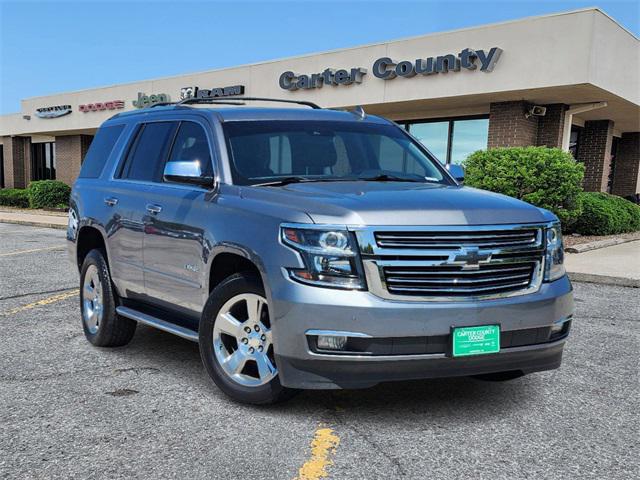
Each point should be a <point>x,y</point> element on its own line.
<point>102,326</point>
<point>236,342</point>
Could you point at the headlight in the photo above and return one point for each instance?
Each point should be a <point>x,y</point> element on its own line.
<point>554,265</point>
<point>330,257</point>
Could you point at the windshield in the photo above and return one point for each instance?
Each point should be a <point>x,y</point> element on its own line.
<point>272,152</point>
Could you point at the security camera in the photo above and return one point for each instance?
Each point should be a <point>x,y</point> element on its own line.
<point>536,111</point>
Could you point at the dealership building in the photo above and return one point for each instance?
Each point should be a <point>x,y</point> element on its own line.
<point>568,80</point>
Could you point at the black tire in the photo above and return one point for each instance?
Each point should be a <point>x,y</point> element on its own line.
<point>500,376</point>
<point>112,329</point>
<point>268,393</point>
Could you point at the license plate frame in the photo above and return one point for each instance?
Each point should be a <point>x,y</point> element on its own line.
<point>475,340</point>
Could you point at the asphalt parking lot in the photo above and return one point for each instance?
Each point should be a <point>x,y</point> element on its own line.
<point>148,410</point>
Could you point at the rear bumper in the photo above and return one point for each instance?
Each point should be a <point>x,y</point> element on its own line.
<point>297,309</point>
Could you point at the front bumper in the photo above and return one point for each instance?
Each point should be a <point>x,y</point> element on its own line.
<point>299,308</point>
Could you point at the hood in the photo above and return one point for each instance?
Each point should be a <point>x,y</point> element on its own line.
<point>398,203</point>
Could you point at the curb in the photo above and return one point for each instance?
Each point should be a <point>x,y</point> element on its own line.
<point>34,224</point>
<point>585,247</point>
<point>604,280</point>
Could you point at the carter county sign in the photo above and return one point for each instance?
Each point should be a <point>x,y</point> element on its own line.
<point>53,112</point>
<point>386,68</point>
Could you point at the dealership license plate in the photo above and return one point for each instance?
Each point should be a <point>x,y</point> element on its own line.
<point>476,340</point>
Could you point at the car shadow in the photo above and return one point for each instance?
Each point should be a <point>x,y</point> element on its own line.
<point>435,397</point>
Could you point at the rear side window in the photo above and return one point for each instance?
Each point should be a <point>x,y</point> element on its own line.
<point>148,153</point>
<point>191,145</point>
<point>99,151</point>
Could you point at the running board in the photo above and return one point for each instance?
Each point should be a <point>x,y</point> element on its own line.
<point>157,323</point>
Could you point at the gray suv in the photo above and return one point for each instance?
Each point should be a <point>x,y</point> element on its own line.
<point>305,248</point>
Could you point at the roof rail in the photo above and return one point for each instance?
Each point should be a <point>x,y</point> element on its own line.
<point>239,100</point>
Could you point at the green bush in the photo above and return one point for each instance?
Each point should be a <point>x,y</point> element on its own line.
<point>545,177</point>
<point>48,194</point>
<point>604,214</point>
<point>14,197</point>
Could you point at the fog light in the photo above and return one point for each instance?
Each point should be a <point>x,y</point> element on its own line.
<point>557,327</point>
<point>332,342</point>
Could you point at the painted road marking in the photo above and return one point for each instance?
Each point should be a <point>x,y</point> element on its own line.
<point>19,252</point>
<point>45,301</point>
<point>323,447</point>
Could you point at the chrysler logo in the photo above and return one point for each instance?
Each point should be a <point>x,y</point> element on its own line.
<point>470,258</point>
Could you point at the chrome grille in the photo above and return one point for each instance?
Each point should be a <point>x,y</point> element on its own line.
<point>452,263</point>
<point>444,240</point>
<point>455,281</point>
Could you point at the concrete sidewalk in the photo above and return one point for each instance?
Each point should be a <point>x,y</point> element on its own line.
<point>616,265</point>
<point>53,220</point>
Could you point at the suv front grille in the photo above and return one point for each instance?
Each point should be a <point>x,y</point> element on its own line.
<point>444,280</point>
<point>452,263</point>
<point>445,240</point>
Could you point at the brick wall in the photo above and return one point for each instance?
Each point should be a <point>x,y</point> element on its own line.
<point>595,152</point>
<point>508,126</point>
<point>550,126</point>
<point>626,177</point>
<point>70,151</point>
<point>17,161</point>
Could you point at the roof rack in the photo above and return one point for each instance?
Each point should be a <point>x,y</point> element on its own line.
<point>240,100</point>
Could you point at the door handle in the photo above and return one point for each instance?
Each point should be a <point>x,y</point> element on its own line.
<point>111,201</point>
<point>154,209</point>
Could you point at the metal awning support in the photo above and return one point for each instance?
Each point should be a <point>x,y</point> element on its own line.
<point>568,118</point>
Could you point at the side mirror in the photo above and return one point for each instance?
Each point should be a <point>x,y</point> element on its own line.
<point>456,171</point>
<point>187,172</point>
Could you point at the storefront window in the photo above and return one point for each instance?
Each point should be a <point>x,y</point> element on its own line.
<point>43,161</point>
<point>434,136</point>
<point>468,137</point>
<point>452,141</point>
<point>574,140</point>
<point>1,166</point>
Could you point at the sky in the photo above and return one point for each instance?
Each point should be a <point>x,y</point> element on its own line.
<point>49,47</point>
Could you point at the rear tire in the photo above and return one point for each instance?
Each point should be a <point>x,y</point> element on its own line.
<point>500,376</point>
<point>102,326</point>
<point>235,342</point>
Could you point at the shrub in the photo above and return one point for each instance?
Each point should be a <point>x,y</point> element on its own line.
<point>48,194</point>
<point>545,177</point>
<point>604,214</point>
<point>14,197</point>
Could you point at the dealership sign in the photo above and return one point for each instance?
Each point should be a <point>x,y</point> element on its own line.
<point>98,106</point>
<point>197,92</point>
<point>144,100</point>
<point>386,68</point>
<point>53,112</point>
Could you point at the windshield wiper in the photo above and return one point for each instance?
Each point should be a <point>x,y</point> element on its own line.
<point>385,177</point>
<point>287,180</point>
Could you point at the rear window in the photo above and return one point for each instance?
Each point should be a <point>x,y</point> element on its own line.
<point>149,151</point>
<point>99,151</point>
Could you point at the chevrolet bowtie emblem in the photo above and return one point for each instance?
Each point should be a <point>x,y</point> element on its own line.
<point>470,258</point>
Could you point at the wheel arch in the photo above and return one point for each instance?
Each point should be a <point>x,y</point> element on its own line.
<point>89,238</point>
<point>229,260</point>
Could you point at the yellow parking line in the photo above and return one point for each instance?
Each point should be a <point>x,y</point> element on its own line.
<point>19,252</point>
<point>323,447</point>
<point>45,301</point>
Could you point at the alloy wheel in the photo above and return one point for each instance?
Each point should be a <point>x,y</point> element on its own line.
<point>242,340</point>
<point>92,302</point>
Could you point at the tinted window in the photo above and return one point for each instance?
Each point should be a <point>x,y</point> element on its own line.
<point>191,145</point>
<point>263,151</point>
<point>148,153</point>
<point>99,151</point>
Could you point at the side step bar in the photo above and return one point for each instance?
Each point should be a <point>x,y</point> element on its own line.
<point>158,323</point>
